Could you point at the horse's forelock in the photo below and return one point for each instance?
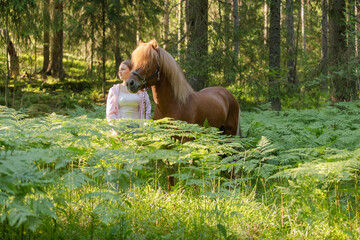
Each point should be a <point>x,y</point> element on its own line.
<point>143,56</point>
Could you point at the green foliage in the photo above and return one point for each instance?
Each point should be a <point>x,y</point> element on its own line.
<point>294,171</point>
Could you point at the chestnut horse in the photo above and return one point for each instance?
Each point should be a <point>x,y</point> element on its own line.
<point>174,97</point>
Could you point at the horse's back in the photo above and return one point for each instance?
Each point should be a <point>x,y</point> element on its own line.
<point>220,93</point>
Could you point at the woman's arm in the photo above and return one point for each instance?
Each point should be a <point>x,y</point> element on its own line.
<point>111,108</point>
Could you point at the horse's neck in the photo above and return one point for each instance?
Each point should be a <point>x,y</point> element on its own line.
<point>164,97</point>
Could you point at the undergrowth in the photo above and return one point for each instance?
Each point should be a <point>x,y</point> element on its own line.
<point>294,175</point>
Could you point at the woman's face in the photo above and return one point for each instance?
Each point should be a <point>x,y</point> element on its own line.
<point>124,72</point>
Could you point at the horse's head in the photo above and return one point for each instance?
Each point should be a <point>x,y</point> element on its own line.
<point>146,66</point>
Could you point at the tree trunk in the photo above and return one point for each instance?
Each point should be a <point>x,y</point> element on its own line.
<point>274,55</point>
<point>343,88</point>
<point>103,47</point>
<point>357,27</point>
<point>117,48</point>
<point>324,38</point>
<point>229,63</point>
<point>55,67</point>
<point>197,48</point>
<point>303,6</point>
<point>290,44</point>
<point>137,9</point>
<point>266,12</point>
<point>166,23</point>
<point>92,49</point>
<point>7,82</point>
<point>12,55</point>
<point>236,40</point>
<point>351,23</point>
<point>180,30</point>
<point>46,37</point>
<point>35,53</point>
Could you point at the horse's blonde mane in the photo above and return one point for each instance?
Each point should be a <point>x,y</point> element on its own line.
<point>145,54</point>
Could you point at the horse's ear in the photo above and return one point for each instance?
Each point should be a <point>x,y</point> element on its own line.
<point>140,42</point>
<point>155,45</point>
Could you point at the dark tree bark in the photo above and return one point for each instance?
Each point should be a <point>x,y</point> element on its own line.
<point>46,37</point>
<point>7,81</point>
<point>117,48</point>
<point>324,37</point>
<point>229,63</point>
<point>14,59</point>
<point>92,48</point>
<point>166,23</point>
<point>274,55</point>
<point>197,48</point>
<point>103,14</point>
<point>343,88</point>
<point>236,40</point>
<point>290,44</point>
<point>55,67</point>
<point>12,56</point>
<point>357,27</point>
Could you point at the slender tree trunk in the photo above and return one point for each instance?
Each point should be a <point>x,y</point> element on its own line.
<point>357,27</point>
<point>303,19</point>
<point>197,48</point>
<point>35,55</point>
<point>274,55</point>
<point>166,23</point>
<point>180,29</point>
<point>12,55</point>
<point>92,49</point>
<point>46,37</point>
<point>357,34</point>
<point>351,23</point>
<point>290,42</point>
<point>137,9</point>
<point>7,82</point>
<point>12,64</point>
<point>229,63</point>
<point>236,39</point>
<point>103,47</point>
<point>117,48</point>
<point>266,12</point>
<point>324,38</point>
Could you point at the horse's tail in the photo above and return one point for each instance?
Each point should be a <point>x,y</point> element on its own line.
<point>238,132</point>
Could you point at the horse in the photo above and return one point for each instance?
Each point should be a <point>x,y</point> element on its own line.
<point>154,67</point>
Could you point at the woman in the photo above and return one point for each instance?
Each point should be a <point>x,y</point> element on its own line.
<point>123,104</point>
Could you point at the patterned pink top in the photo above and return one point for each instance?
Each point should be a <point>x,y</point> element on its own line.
<point>112,106</point>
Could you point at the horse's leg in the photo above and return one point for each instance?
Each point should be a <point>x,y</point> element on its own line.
<point>170,170</point>
<point>232,123</point>
<point>157,113</point>
<point>238,132</point>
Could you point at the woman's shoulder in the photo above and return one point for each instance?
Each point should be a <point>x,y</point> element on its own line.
<point>115,86</point>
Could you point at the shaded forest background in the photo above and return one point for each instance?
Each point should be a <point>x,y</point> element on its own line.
<point>291,53</point>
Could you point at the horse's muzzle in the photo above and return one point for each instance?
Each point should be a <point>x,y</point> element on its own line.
<point>132,86</point>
